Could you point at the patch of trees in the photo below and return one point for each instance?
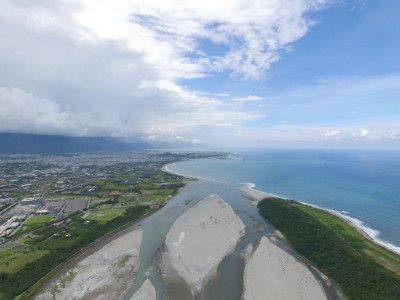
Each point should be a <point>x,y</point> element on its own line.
<point>15,283</point>
<point>357,274</point>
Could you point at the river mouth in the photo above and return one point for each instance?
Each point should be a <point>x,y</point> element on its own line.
<point>227,282</point>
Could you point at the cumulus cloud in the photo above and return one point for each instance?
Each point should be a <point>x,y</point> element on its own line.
<point>165,31</point>
<point>92,67</point>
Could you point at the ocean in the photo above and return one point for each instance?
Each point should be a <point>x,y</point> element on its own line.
<point>361,185</point>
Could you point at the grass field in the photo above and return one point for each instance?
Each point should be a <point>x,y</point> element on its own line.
<point>12,261</point>
<point>35,222</point>
<point>105,215</point>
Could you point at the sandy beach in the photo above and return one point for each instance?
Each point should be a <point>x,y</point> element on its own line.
<point>108,273</point>
<point>167,170</point>
<point>255,195</point>
<point>199,240</point>
<point>272,273</point>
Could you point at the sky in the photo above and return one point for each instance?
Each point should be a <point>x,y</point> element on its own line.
<point>222,74</point>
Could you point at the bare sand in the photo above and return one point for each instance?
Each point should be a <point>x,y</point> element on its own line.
<point>255,195</point>
<point>146,292</point>
<point>272,273</point>
<point>108,273</point>
<point>200,239</point>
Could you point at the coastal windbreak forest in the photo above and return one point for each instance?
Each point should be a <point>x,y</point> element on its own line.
<point>360,268</point>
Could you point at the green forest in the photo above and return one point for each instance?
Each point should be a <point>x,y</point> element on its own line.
<point>359,268</point>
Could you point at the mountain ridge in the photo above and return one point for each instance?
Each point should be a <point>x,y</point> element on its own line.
<point>20,143</point>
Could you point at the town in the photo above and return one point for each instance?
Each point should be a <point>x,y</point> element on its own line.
<point>51,206</point>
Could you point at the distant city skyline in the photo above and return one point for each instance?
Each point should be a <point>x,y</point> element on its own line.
<point>226,74</point>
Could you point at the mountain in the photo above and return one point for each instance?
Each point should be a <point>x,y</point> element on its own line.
<point>16,143</point>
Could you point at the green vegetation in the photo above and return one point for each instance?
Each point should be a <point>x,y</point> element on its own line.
<point>122,187</point>
<point>122,262</point>
<point>360,268</point>
<point>68,277</point>
<point>105,215</point>
<point>34,223</point>
<point>381,255</point>
<point>52,246</point>
<point>12,261</point>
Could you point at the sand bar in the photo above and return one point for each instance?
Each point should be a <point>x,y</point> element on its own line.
<point>255,195</point>
<point>199,240</point>
<point>108,273</point>
<point>272,273</point>
<point>146,292</point>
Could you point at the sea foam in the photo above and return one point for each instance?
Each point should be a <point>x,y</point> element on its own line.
<point>371,233</point>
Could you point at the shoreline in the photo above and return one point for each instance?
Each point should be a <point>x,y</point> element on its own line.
<point>367,232</point>
<point>166,169</point>
<point>255,195</point>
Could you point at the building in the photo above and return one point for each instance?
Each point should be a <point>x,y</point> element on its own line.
<point>32,201</point>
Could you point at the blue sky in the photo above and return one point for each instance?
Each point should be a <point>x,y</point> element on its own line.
<point>227,74</point>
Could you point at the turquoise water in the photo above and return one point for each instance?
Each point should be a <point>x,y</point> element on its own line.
<point>363,186</point>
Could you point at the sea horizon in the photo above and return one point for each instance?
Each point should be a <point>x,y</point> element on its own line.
<point>334,177</point>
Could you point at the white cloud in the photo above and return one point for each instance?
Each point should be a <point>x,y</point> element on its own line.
<point>249,98</point>
<point>331,133</point>
<point>364,132</point>
<point>92,67</point>
<point>197,141</point>
<point>166,31</point>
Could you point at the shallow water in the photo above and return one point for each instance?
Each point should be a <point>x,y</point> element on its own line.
<point>227,284</point>
<point>157,226</point>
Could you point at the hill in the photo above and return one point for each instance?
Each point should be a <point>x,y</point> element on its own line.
<point>16,143</point>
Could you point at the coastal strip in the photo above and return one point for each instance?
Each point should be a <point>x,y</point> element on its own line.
<point>199,240</point>
<point>272,271</point>
<point>166,169</point>
<point>360,268</point>
<point>108,273</point>
<point>255,196</point>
